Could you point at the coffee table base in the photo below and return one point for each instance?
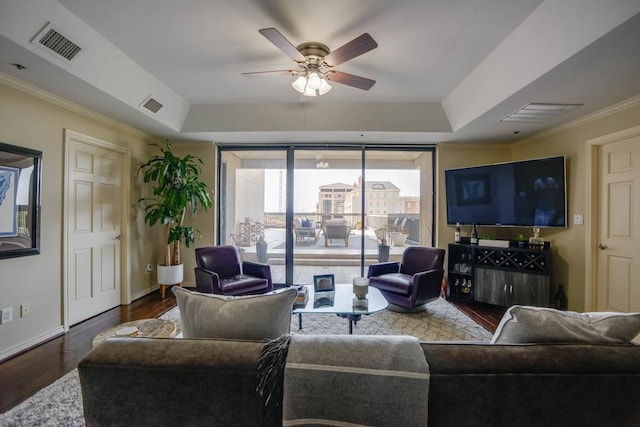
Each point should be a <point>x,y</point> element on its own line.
<point>353,319</point>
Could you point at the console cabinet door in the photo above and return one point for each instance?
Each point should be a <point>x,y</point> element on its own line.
<point>506,288</point>
<point>530,289</point>
<point>490,286</point>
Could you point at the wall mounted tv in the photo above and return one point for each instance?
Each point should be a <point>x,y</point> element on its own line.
<point>529,193</point>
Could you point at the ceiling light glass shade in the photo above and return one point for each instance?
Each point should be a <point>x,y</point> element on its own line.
<point>299,84</point>
<point>324,87</point>
<point>309,92</point>
<point>314,80</point>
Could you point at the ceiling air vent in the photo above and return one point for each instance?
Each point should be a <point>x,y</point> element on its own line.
<point>151,104</point>
<point>53,41</point>
<point>539,113</point>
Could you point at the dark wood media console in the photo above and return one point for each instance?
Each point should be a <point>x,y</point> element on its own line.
<point>499,276</point>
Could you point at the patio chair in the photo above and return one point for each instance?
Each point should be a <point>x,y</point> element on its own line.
<point>336,229</point>
<point>304,229</point>
<point>220,271</point>
<point>411,284</point>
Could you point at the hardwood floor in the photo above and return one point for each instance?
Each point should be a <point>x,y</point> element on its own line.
<point>28,372</point>
<point>486,315</point>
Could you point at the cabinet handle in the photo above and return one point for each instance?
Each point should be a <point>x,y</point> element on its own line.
<point>511,290</point>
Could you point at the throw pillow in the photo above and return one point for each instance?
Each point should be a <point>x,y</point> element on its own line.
<point>251,317</point>
<point>525,324</point>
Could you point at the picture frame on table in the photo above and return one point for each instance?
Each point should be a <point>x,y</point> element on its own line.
<point>324,283</point>
<point>20,177</point>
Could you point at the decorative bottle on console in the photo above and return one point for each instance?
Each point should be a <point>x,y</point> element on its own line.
<point>474,235</point>
<point>561,299</point>
<point>456,237</point>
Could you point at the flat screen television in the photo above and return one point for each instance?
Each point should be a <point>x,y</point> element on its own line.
<point>528,193</point>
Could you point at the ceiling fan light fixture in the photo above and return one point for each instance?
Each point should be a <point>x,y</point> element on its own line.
<point>309,92</point>
<point>324,87</point>
<point>315,60</point>
<point>300,84</point>
<point>313,80</point>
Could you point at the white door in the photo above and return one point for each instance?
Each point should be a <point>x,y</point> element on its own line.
<point>93,229</point>
<point>618,287</point>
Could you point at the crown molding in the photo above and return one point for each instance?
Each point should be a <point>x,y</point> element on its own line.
<point>69,105</point>
<point>596,115</point>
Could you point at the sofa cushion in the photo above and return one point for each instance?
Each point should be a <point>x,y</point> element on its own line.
<point>526,324</point>
<point>251,317</point>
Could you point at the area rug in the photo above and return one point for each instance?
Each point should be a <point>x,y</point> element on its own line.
<point>60,404</point>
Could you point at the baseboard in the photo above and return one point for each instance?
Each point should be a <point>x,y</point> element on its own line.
<point>27,345</point>
<point>155,288</point>
<point>144,293</point>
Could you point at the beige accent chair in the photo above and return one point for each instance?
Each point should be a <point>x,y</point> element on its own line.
<point>336,229</point>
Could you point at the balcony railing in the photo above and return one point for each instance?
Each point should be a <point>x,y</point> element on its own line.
<point>392,222</point>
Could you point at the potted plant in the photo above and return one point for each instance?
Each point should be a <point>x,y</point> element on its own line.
<point>383,246</point>
<point>520,239</point>
<point>176,189</point>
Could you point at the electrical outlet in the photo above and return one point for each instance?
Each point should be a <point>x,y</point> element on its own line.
<point>7,315</point>
<point>149,268</point>
<point>25,310</point>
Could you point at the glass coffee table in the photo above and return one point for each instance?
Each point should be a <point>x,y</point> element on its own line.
<point>340,302</point>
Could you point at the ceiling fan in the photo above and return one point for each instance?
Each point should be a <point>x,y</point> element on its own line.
<point>316,61</point>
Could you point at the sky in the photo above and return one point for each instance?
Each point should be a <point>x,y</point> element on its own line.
<point>308,181</point>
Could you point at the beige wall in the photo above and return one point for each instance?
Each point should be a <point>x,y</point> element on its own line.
<point>30,122</point>
<point>568,245</point>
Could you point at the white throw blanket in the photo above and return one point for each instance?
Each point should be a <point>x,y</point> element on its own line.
<point>355,381</point>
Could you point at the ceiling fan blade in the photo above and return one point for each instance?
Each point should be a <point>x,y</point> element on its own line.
<point>270,73</point>
<point>275,37</point>
<point>355,47</point>
<point>350,80</point>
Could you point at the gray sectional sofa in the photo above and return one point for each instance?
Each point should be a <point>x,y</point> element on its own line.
<point>192,382</point>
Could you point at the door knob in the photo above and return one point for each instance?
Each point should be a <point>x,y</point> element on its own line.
<point>118,237</point>
<point>603,246</point>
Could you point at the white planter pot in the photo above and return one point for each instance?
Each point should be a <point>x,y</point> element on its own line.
<point>398,239</point>
<point>170,274</point>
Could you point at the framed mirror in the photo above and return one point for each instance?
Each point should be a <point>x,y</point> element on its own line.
<point>20,175</point>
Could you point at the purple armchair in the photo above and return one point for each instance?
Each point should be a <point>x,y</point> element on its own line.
<point>219,271</point>
<point>410,285</point>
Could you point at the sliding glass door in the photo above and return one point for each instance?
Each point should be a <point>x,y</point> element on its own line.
<point>327,233</point>
<point>252,199</point>
<point>324,210</point>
